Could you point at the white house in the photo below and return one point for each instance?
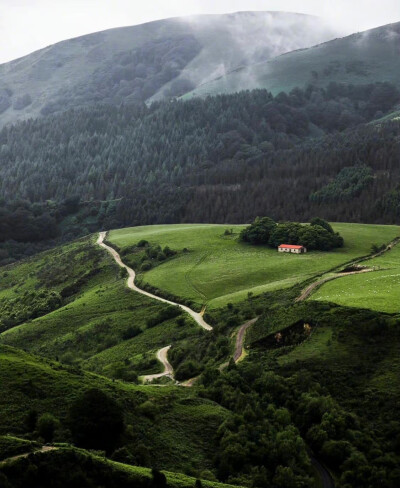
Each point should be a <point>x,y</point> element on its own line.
<point>292,248</point>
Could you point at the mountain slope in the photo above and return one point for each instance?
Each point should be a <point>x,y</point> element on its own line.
<point>169,57</point>
<point>361,58</point>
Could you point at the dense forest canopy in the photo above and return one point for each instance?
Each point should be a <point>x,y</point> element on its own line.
<point>227,158</point>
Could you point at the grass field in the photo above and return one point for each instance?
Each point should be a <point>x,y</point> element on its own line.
<point>218,269</point>
<point>379,290</point>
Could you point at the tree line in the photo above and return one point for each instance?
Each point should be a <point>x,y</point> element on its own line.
<point>227,158</point>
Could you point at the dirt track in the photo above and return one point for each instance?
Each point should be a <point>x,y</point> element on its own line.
<point>162,356</point>
<point>198,317</point>
<point>307,291</point>
<point>240,338</point>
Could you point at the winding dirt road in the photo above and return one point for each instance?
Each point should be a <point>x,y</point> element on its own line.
<point>240,339</point>
<point>162,356</point>
<point>198,317</point>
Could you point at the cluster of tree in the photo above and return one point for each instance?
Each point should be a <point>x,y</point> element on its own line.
<point>319,235</point>
<point>143,256</point>
<point>348,183</point>
<point>225,158</point>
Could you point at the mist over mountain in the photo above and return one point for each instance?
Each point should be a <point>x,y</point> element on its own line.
<point>149,61</point>
<point>361,58</point>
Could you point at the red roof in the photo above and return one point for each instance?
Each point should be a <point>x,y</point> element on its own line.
<point>290,246</point>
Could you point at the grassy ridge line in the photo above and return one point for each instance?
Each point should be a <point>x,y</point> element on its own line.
<point>136,473</point>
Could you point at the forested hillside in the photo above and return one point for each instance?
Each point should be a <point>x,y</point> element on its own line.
<point>223,159</point>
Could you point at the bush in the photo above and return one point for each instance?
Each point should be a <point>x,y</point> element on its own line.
<point>96,421</point>
<point>188,369</point>
<point>46,426</point>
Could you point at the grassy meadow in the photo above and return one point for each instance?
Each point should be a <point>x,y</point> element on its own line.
<point>378,290</point>
<point>219,269</point>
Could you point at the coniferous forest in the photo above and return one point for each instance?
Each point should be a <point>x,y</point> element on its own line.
<point>223,159</point>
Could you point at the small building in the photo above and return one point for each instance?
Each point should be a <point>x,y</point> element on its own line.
<point>292,248</point>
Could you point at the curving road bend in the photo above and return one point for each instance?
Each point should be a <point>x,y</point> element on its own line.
<point>198,317</point>
<point>162,356</point>
<point>240,339</point>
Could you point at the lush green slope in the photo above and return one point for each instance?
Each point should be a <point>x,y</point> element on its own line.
<point>29,383</point>
<point>72,303</point>
<point>361,58</point>
<point>379,290</point>
<point>134,63</point>
<point>218,269</point>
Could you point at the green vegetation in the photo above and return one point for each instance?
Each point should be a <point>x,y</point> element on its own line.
<point>31,384</point>
<point>13,446</point>
<point>218,269</point>
<point>348,183</point>
<point>67,466</point>
<point>360,58</point>
<point>72,304</point>
<point>378,290</point>
<point>250,424</point>
<point>159,59</point>
<point>319,235</point>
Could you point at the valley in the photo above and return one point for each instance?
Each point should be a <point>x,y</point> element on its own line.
<point>200,249</point>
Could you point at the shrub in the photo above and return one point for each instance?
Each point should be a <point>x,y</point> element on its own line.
<point>46,426</point>
<point>96,421</point>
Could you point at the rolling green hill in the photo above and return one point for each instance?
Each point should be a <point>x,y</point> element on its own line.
<point>218,269</point>
<point>315,375</point>
<point>167,57</point>
<point>362,58</point>
<point>378,290</point>
<point>71,303</point>
<point>33,383</point>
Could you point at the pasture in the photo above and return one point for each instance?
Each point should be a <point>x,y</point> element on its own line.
<point>378,290</point>
<point>218,269</point>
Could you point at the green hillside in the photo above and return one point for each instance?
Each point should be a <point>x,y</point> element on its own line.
<point>30,383</point>
<point>68,465</point>
<point>316,377</point>
<point>361,58</point>
<point>218,269</point>
<point>71,303</point>
<point>378,290</point>
<point>157,59</point>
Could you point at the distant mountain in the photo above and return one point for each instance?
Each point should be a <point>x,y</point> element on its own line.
<point>361,58</point>
<point>148,61</point>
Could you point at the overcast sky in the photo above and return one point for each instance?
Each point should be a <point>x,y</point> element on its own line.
<point>28,25</point>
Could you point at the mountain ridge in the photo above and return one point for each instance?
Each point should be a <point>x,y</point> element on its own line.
<point>157,59</point>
